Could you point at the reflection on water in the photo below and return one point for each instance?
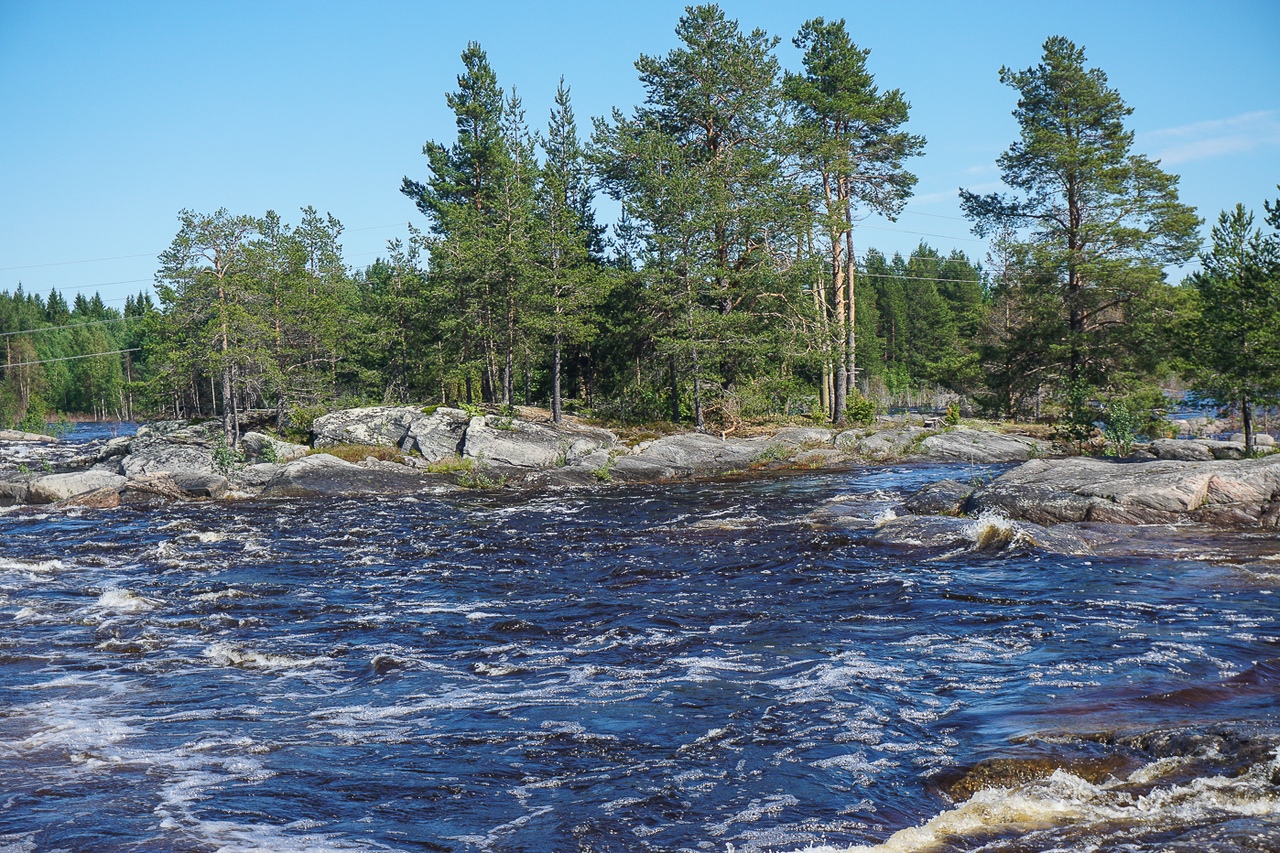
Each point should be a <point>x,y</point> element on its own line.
<point>691,667</point>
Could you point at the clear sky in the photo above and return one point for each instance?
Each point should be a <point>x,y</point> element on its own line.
<point>117,115</point>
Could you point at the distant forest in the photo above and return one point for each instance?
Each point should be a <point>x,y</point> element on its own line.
<point>734,286</point>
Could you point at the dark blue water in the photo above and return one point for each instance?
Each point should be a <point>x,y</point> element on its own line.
<point>647,668</point>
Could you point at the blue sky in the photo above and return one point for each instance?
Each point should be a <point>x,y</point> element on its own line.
<point>117,115</point>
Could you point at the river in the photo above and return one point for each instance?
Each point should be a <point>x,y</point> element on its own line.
<point>691,667</point>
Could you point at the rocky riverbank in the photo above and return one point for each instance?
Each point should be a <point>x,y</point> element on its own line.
<point>397,450</point>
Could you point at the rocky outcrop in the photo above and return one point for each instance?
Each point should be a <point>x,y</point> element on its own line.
<point>19,435</point>
<point>890,443</point>
<point>520,444</point>
<point>1087,489</point>
<point>52,488</point>
<point>981,446</point>
<point>689,454</point>
<point>324,476</point>
<point>438,435</point>
<point>258,447</point>
<point>377,426</point>
<point>945,497</point>
<point>169,446</point>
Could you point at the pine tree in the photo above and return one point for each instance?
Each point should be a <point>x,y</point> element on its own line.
<point>847,138</point>
<point>1095,223</point>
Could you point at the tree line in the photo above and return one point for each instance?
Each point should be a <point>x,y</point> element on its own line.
<point>731,286</point>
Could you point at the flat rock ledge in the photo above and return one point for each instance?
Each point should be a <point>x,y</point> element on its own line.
<point>1222,492</point>
<point>436,449</point>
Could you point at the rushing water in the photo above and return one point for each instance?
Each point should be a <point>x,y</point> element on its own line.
<point>683,667</point>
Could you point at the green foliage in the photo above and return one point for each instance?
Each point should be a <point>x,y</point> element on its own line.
<point>472,411</point>
<point>1084,237</point>
<point>226,459</point>
<point>1120,427</point>
<point>1236,347</point>
<point>952,417</point>
<point>861,410</point>
<point>302,418</point>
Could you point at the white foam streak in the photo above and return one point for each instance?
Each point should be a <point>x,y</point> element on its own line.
<point>1065,799</point>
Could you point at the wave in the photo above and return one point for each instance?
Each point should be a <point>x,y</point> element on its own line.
<point>1064,800</point>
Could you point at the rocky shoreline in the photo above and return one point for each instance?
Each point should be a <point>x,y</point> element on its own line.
<point>437,450</point>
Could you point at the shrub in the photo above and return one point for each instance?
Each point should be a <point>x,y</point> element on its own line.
<point>952,417</point>
<point>861,409</point>
<point>1119,427</point>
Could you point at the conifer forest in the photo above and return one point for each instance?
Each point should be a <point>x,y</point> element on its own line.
<point>733,285</point>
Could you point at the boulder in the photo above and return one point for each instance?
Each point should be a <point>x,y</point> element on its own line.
<point>521,444</point>
<point>436,436</point>
<point>1134,492</point>
<point>1260,439</point>
<point>818,457</point>
<point>150,490</point>
<point>637,469</point>
<point>889,443</point>
<point>171,446</point>
<point>945,497</point>
<point>259,447</point>
<point>201,485</point>
<point>1181,450</point>
<point>321,476</point>
<point>797,436</point>
<point>980,446</point>
<point>689,454</point>
<point>848,438</point>
<point>13,492</point>
<point>57,487</point>
<point>114,448</point>
<point>991,533</point>
<point>106,497</point>
<point>255,476</point>
<point>378,426</point>
<point>19,435</point>
<point>1223,449</point>
<point>1040,504</point>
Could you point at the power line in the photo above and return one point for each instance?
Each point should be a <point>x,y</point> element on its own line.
<point>72,357</point>
<point>86,261</point>
<point>68,326</point>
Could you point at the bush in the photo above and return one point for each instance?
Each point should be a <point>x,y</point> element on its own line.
<point>1119,427</point>
<point>861,410</point>
<point>952,417</point>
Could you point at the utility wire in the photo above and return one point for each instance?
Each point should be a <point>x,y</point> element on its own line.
<point>68,326</point>
<point>72,357</point>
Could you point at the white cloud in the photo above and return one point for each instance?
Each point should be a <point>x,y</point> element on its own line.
<point>954,195</point>
<point>1203,140</point>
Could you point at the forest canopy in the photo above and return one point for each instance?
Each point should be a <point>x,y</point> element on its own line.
<point>728,289</point>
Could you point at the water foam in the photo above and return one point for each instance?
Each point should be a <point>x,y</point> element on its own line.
<point>1064,799</point>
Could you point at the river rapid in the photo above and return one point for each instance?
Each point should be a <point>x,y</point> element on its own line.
<point>685,667</point>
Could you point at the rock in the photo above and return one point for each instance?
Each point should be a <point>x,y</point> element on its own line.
<point>13,492</point>
<point>259,447</point>
<point>640,470</point>
<point>436,436</point>
<point>19,435</point>
<point>980,446</point>
<point>1039,504</point>
<point>1181,450</point>
<point>689,454</point>
<point>819,457</point>
<point>116,447</point>
<point>945,497</point>
<point>171,446</point>
<point>520,444</point>
<point>890,443</point>
<point>378,426</point>
<point>988,533</point>
<point>1133,492</point>
<point>254,477</point>
<point>1260,439</point>
<point>848,438</point>
<point>57,487</point>
<point>150,490</point>
<point>322,475</point>
<point>1223,449</point>
<point>106,497</point>
<point>797,436</point>
<point>201,485</point>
